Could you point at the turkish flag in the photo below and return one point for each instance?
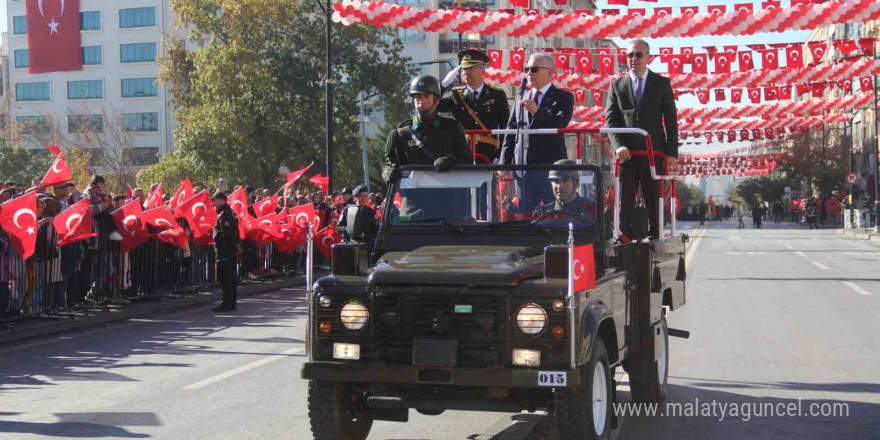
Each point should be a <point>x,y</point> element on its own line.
<point>585,13</point>
<point>325,239</point>
<point>731,136</point>
<point>321,182</point>
<point>517,59</point>
<point>129,225</point>
<point>54,41</point>
<point>562,60</point>
<point>75,223</point>
<point>769,133</point>
<point>757,134</point>
<point>794,57</point>
<point>294,175</point>
<point>703,96</point>
<point>58,173</point>
<point>745,61</point>
<point>717,9</point>
<point>743,135</point>
<point>264,229</point>
<point>156,198</point>
<point>621,55</point>
<point>867,46</point>
<point>769,59</point>
<point>520,3</point>
<point>583,268</point>
<point>800,89</point>
<point>818,50</point>
<point>846,47</point>
<point>690,10</point>
<point>579,95</point>
<point>18,217</point>
<point>183,194</point>
<point>635,12</point>
<point>292,237</point>
<point>197,213</point>
<point>722,62</point>
<point>866,84</point>
<point>699,63</point>
<point>606,64</point>
<point>747,7</point>
<point>597,97</point>
<point>755,95</point>
<point>661,12</point>
<point>496,58</point>
<point>618,2</point>
<point>160,217</point>
<point>719,95</point>
<point>266,206</point>
<point>664,52</point>
<point>784,92</point>
<point>675,64</point>
<point>770,94</point>
<point>238,202</point>
<point>770,4</point>
<point>584,62</point>
<point>175,237</point>
<point>304,214</point>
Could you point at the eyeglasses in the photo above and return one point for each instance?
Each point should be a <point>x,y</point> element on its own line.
<point>533,69</point>
<point>639,55</point>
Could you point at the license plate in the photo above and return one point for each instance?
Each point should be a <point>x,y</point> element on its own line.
<point>552,378</point>
<point>435,352</point>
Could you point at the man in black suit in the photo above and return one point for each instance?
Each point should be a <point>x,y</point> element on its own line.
<point>642,99</point>
<point>544,106</point>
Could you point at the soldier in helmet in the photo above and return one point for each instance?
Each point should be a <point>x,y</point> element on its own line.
<point>476,105</point>
<point>429,138</point>
<point>565,189</point>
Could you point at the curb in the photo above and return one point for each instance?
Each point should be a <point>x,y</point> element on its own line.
<point>100,317</point>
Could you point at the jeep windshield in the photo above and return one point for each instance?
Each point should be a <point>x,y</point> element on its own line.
<point>491,197</point>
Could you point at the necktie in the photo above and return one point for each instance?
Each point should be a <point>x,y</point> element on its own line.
<point>639,90</point>
<point>538,97</point>
<point>475,96</point>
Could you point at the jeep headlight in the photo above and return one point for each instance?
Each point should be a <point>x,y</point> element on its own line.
<point>354,315</point>
<point>531,319</point>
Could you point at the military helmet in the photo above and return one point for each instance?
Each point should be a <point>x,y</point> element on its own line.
<point>424,84</point>
<point>563,174</point>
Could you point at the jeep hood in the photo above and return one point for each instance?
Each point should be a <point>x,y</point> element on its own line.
<point>457,265</point>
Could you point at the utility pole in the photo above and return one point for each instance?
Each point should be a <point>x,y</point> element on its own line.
<point>363,120</point>
<point>875,159</point>
<point>328,79</point>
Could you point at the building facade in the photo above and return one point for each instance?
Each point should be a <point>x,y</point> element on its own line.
<point>114,104</point>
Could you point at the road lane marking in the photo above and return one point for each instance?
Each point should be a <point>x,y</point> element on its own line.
<point>857,288</point>
<point>243,369</point>
<point>788,246</point>
<point>819,265</point>
<point>801,254</point>
<point>693,249</point>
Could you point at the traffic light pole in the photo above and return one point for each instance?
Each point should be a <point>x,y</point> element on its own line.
<point>875,159</point>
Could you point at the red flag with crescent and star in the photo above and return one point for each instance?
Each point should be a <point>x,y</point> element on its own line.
<point>325,239</point>
<point>175,237</point>
<point>18,218</point>
<point>54,41</point>
<point>155,199</point>
<point>58,173</point>
<point>197,212</point>
<point>75,223</point>
<point>293,176</point>
<point>183,194</point>
<point>584,268</point>
<point>266,206</point>
<point>130,226</point>
<point>160,217</point>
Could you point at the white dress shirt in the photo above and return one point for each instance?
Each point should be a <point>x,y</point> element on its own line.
<point>543,91</point>
<point>632,78</point>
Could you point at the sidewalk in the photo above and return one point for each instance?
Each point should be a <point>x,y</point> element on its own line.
<point>861,234</point>
<point>45,326</point>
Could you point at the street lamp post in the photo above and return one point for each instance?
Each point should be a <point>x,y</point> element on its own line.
<point>328,81</point>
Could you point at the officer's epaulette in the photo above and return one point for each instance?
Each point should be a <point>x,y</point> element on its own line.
<point>406,123</point>
<point>494,87</point>
<point>458,89</point>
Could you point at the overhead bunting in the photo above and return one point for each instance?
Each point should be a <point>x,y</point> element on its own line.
<point>584,25</point>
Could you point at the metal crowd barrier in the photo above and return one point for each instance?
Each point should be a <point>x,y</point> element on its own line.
<point>94,273</point>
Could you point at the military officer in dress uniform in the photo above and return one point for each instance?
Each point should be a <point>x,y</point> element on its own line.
<point>476,105</point>
<point>565,188</point>
<point>358,221</point>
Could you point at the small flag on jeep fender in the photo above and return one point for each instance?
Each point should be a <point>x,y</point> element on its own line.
<point>584,268</point>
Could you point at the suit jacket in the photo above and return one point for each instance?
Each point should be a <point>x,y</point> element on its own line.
<point>656,114</point>
<point>555,111</point>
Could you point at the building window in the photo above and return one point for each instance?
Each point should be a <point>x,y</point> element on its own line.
<point>140,156</point>
<point>85,124</point>
<point>21,58</point>
<point>19,25</point>
<point>139,87</point>
<point>90,21</point>
<point>33,124</point>
<point>92,89</point>
<point>32,91</point>
<point>137,17</point>
<point>137,53</point>
<point>411,36</point>
<point>141,122</point>
<point>91,55</point>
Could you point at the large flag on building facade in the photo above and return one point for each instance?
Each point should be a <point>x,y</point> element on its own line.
<point>54,42</point>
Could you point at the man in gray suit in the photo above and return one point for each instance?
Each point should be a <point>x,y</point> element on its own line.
<point>642,99</point>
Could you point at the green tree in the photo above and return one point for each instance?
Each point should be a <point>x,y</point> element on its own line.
<point>252,99</point>
<point>20,165</point>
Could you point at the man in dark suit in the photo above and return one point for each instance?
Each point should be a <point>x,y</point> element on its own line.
<point>476,105</point>
<point>642,99</point>
<point>544,106</point>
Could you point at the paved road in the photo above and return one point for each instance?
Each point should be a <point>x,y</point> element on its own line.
<point>775,315</point>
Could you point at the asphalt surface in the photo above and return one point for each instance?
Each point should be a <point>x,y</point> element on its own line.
<point>775,315</point>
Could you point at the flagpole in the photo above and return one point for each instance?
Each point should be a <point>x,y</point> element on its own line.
<point>310,241</point>
<point>571,296</point>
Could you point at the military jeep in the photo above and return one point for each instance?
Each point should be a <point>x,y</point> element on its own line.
<point>463,302</point>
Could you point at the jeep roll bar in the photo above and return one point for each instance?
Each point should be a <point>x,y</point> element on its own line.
<point>650,153</point>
